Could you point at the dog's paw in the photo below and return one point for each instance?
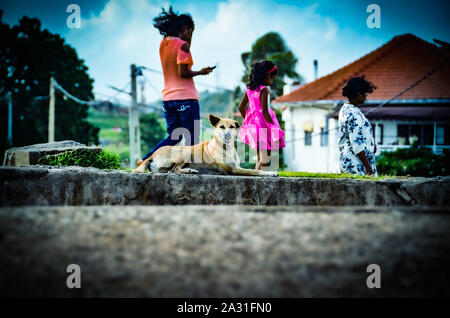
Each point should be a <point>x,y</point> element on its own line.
<point>271,173</point>
<point>192,171</point>
<point>139,170</point>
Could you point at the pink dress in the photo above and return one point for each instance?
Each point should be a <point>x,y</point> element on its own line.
<point>255,130</point>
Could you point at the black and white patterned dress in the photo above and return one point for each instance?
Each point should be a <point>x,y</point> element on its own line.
<point>355,135</point>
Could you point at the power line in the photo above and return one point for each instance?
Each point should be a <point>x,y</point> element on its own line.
<point>119,90</point>
<point>95,102</point>
<point>67,94</point>
<point>409,87</point>
<point>151,85</point>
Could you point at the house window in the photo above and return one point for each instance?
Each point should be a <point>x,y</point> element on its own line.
<point>403,134</point>
<point>442,134</point>
<point>380,134</point>
<point>308,138</point>
<point>323,137</point>
<point>428,131</point>
<point>423,133</point>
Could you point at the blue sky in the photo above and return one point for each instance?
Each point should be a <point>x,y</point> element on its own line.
<point>116,33</point>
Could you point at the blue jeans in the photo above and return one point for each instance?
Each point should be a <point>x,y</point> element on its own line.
<point>180,114</point>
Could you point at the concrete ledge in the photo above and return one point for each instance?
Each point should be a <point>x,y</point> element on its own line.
<point>48,186</point>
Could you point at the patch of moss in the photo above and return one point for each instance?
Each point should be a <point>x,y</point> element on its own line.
<point>84,158</point>
<point>295,174</point>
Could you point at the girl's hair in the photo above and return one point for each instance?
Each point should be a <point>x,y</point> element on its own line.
<point>171,23</point>
<point>259,73</point>
<point>357,85</point>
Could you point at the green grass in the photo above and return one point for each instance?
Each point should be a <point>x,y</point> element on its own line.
<point>109,134</point>
<point>84,158</point>
<point>108,122</point>
<point>295,174</point>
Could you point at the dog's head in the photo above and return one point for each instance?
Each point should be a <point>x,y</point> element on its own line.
<point>225,130</point>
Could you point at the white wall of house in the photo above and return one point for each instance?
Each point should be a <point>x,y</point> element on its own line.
<point>298,154</point>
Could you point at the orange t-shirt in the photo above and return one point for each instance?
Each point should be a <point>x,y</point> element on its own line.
<point>176,87</point>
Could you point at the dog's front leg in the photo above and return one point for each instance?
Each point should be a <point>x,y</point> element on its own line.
<point>246,172</point>
<point>178,168</point>
<point>141,168</point>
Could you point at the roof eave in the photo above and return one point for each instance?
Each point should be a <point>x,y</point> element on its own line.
<point>368,102</point>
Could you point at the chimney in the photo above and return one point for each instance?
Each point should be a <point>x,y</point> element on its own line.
<point>316,69</point>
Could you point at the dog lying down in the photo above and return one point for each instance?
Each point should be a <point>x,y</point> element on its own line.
<point>216,155</point>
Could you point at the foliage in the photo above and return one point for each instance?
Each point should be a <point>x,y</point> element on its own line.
<point>272,47</point>
<point>83,158</point>
<point>237,97</point>
<point>216,102</point>
<point>152,132</point>
<point>415,161</point>
<point>29,56</point>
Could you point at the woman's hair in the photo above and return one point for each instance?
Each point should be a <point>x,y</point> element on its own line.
<point>357,85</point>
<point>171,23</point>
<point>259,73</point>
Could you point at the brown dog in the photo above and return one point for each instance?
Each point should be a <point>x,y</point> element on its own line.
<point>217,153</point>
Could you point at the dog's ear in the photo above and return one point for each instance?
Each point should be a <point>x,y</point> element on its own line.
<point>237,124</point>
<point>214,120</point>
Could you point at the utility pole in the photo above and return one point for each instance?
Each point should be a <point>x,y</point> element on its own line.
<point>9,101</point>
<point>231,105</point>
<point>135,131</point>
<point>143,102</point>
<point>51,112</point>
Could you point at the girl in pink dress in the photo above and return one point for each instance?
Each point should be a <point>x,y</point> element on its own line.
<point>260,129</point>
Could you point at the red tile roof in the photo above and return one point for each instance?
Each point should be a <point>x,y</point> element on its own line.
<point>391,68</point>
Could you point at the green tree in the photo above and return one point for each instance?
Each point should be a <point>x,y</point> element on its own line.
<point>29,56</point>
<point>272,47</point>
<point>152,132</point>
<point>215,102</point>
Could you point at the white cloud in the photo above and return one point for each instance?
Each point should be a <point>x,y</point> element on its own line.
<point>122,33</point>
<point>238,23</point>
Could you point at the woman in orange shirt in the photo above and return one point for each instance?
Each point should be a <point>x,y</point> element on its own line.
<point>180,97</point>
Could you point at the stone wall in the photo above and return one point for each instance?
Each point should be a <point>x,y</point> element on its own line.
<point>30,155</point>
<point>27,186</point>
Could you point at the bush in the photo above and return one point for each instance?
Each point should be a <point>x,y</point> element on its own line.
<point>415,161</point>
<point>83,158</point>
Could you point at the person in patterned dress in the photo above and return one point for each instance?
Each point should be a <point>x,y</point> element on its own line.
<point>356,139</point>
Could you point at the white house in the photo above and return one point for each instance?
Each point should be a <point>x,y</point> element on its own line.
<point>421,113</point>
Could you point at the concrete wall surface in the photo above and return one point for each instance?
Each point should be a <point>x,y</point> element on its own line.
<point>50,186</point>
